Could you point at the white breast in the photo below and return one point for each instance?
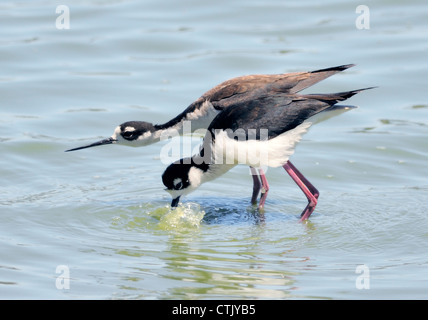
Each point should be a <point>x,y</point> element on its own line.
<point>258,153</point>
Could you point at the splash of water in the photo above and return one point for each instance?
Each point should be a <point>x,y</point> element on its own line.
<point>185,216</point>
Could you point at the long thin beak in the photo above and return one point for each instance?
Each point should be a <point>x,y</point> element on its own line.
<point>174,202</point>
<point>98,143</point>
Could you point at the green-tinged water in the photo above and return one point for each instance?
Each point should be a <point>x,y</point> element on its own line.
<point>96,223</point>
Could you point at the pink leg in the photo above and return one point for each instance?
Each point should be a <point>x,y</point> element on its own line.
<point>308,189</point>
<point>256,185</point>
<point>265,188</point>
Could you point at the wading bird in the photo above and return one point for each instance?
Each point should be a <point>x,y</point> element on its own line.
<point>237,91</point>
<point>284,117</point>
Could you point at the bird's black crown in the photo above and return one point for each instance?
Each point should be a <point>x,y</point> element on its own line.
<point>131,130</point>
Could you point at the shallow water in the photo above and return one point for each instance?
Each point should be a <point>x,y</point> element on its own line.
<point>96,223</point>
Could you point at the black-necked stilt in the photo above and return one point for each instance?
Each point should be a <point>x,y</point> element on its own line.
<point>201,112</point>
<point>239,90</point>
<point>283,117</point>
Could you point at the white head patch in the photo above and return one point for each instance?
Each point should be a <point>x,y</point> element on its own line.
<point>195,177</point>
<point>129,129</point>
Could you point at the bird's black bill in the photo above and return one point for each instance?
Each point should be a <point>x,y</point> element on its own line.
<point>98,143</point>
<point>174,202</point>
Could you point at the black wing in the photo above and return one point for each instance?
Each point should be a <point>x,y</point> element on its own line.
<point>276,112</point>
<point>245,88</point>
<point>242,88</point>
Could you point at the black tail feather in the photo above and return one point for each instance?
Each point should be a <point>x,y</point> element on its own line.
<point>335,69</point>
<point>332,98</point>
<point>317,76</point>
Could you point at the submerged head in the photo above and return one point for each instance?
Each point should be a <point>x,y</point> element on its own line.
<point>182,177</point>
<point>131,133</point>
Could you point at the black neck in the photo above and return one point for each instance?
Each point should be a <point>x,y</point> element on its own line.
<point>180,118</point>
